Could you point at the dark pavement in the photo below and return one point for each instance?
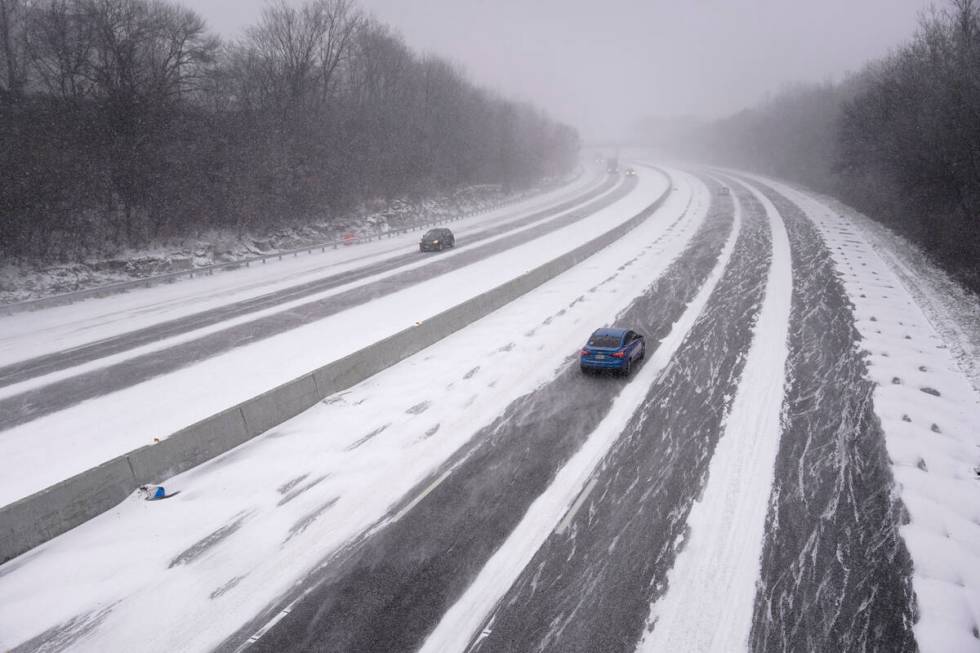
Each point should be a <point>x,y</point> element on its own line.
<point>385,593</point>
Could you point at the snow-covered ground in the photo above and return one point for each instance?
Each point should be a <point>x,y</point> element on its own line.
<point>249,526</point>
<point>930,415</point>
<point>97,430</point>
<point>184,573</point>
<point>25,282</point>
<point>953,310</point>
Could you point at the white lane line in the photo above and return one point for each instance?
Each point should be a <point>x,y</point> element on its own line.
<point>421,495</point>
<point>711,588</point>
<point>464,619</point>
<point>570,515</point>
<point>266,628</point>
<point>487,630</point>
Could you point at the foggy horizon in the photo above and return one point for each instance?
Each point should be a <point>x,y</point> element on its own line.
<point>601,69</point>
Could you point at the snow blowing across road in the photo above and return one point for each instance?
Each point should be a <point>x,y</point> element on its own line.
<point>930,415</point>
<point>708,606</point>
<point>250,525</point>
<point>793,467</point>
<point>462,621</point>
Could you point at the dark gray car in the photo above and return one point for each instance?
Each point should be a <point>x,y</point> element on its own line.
<point>436,240</point>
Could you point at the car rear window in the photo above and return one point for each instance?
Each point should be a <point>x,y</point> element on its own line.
<point>605,341</point>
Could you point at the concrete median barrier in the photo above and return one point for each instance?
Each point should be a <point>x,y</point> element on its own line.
<point>279,404</point>
<point>190,446</point>
<point>33,520</point>
<point>36,519</point>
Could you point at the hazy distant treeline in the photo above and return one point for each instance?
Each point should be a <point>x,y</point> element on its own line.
<point>124,120</point>
<point>900,140</point>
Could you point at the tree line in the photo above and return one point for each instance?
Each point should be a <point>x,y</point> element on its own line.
<point>124,121</point>
<point>899,140</point>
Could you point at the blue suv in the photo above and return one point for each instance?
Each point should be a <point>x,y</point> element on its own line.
<point>612,349</point>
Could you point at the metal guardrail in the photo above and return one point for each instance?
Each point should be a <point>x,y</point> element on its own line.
<point>209,270</point>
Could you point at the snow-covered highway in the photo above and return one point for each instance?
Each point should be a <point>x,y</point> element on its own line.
<point>99,409</point>
<point>793,466</point>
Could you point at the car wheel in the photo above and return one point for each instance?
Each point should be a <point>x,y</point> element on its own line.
<point>643,351</point>
<point>628,367</point>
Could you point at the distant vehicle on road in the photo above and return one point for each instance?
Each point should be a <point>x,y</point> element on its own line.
<point>612,165</point>
<point>436,240</point>
<point>612,348</point>
<point>630,172</point>
<point>724,190</point>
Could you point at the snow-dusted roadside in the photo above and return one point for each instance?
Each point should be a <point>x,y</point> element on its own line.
<point>953,311</point>
<point>35,333</point>
<point>182,574</point>
<point>929,412</point>
<point>708,604</point>
<point>25,282</point>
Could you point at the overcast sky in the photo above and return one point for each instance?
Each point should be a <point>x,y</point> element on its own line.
<point>601,65</point>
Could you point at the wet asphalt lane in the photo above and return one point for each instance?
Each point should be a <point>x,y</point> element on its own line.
<point>58,395</point>
<point>387,592</point>
<point>836,575</point>
<point>589,588</point>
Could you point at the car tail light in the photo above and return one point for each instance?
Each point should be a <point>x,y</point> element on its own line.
<point>619,354</point>
<point>584,352</point>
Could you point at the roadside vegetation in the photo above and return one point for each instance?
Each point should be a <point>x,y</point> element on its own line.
<point>126,121</point>
<point>900,140</point>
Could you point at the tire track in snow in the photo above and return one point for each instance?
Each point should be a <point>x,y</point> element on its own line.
<point>590,586</point>
<point>390,592</point>
<point>708,604</point>
<point>836,575</point>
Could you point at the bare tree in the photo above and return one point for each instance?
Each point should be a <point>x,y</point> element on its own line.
<point>136,121</point>
<point>13,76</point>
